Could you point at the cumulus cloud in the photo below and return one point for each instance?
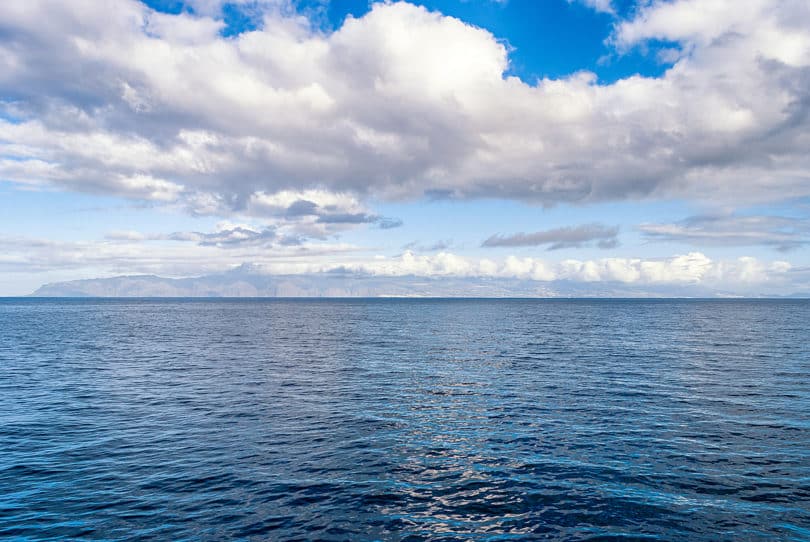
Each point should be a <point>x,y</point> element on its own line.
<point>694,269</point>
<point>399,103</point>
<point>782,233</point>
<point>558,238</point>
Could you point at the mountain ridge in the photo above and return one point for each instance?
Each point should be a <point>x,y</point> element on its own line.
<point>246,282</point>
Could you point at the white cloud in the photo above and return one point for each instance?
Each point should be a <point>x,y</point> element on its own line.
<point>148,187</point>
<point>265,251</point>
<point>281,202</point>
<point>400,103</point>
<point>602,6</point>
<point>768,29</point>
<point>694,268</point>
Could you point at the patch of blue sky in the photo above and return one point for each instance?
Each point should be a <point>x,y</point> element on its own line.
<point>550,38</point>
<point>14,158</point>
<point>554,38</point>
<point>792,208</point>
<point>460,223</point>
<point>239,19</point>
<point>68,216</point>
<point>468,223</point>
<point>168,6</point>
<point>547,39</point>
<point>6,114</point>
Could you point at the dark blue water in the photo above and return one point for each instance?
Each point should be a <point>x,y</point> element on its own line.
<point>404,419</point>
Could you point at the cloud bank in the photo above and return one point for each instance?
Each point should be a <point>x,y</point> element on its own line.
<point>190,253</point>
<point>399,104</point>
<point>693,268</point>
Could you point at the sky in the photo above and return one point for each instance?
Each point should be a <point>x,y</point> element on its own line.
<point>639,142</point>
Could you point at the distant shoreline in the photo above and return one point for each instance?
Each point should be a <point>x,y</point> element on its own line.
<point>400,298</point>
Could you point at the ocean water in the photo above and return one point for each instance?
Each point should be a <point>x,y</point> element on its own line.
<point>404,420</point>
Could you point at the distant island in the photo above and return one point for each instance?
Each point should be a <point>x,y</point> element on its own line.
<point>246,282</point>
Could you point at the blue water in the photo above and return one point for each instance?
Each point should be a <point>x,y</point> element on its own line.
<point>404,420</point>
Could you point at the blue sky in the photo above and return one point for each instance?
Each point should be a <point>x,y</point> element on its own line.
<point>548,38</point>
<point>634,142</point>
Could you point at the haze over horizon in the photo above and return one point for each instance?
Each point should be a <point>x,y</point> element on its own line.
<point>593,145</point>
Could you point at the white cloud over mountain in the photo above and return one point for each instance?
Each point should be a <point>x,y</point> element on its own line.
<point>194,253</point>
<point>692,268</point>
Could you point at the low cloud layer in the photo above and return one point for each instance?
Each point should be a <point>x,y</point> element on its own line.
<point>134,253</point>
<point>558,238</point>
<point>400,103</point>
<point>692,268</point>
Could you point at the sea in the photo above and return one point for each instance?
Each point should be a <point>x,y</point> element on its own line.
<point>404,419</point>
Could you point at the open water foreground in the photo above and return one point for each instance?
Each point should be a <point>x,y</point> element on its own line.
<point>404,419</point>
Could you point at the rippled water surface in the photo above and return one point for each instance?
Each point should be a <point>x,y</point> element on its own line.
<point>404,419</point>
